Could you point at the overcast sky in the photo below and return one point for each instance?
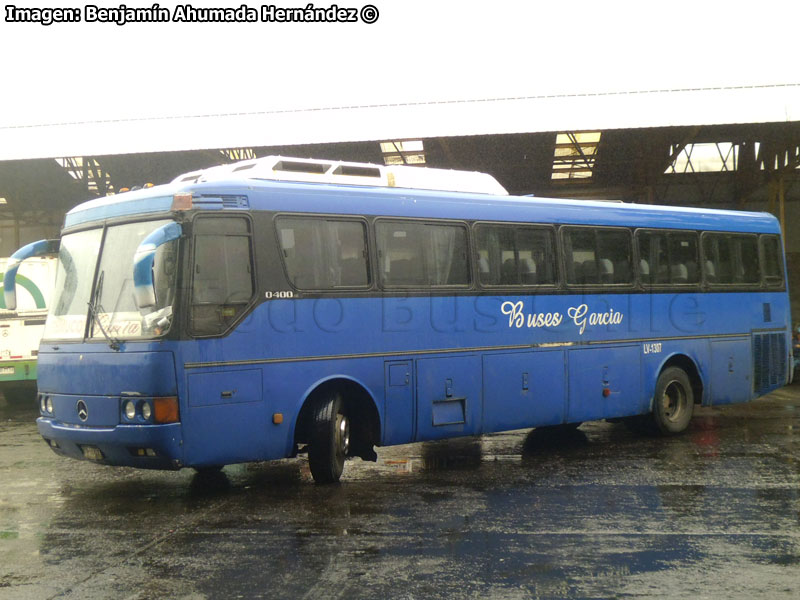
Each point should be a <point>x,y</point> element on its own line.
<point>418,51</point>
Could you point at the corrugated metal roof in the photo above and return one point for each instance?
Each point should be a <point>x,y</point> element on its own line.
<point>531,114</point>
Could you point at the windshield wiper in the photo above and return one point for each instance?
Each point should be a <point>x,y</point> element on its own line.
<point>113,342</point>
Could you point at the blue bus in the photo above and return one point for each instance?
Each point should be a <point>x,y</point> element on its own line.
<point>280,306</point>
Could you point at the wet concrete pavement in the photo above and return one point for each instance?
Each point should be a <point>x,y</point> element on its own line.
<point>600,513</point>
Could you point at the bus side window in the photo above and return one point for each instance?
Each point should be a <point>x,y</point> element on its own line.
<point>747,268</point>
<point>222,273</point>
<point>771,260</point>
<point>323,254</point>
<point>667,257</point>
<point>598,256</point>
<point>730,258</point>
<point>515,255</point>
<point>653,252</point>
<point>683,257</point>
<point>614,252</point>
<point>418,254</point>
<point>580,255</point>
<point>717,258</point>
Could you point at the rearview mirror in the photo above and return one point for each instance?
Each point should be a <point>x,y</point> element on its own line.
<point>40,248</point>
<point>144,291</point>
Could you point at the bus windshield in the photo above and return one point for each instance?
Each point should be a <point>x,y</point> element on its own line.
<point>112,303</point>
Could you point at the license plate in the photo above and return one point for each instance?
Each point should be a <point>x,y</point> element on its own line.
<point>92,453</point>
<point>7,371</point>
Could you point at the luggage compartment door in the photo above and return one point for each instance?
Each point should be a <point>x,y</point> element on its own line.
<point>448,397</point>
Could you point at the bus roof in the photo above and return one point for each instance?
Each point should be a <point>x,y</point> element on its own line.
<point>282,168</point>
<point>257,194</point>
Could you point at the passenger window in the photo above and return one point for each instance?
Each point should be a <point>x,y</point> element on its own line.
<point>772,263</point>
<point>417,254</point>
<point>730,259</point>
<point>222,273</point>
<point>515,255</point>
<point>598,256</point>
<point>747,259</point>
<point>324,254</point>
<point>667,257</point>
<point>717,259</point>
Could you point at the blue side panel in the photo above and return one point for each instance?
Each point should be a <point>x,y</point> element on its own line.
<point>628,339</point>
<point>227,417</point>
<point>391,326</point>
<point>731,370</point>
<point>604,382</point>
<point>523,388</point>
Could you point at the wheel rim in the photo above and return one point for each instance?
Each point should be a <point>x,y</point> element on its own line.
<point>342,434</point>
<point>673,401</point>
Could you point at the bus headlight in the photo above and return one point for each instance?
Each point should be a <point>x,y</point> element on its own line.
<point>48,404</point>
<point>130,410</point>
<point>147,412</point>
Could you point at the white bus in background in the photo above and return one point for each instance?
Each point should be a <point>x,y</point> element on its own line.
<point>21,329</point>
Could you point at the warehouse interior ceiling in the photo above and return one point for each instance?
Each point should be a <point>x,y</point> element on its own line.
<point>735,147</point>
<point>732,166</point>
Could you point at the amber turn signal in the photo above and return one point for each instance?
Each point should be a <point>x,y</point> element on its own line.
<point>165,410</point>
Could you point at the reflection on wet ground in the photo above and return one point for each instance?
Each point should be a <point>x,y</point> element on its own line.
<point>593,512</point>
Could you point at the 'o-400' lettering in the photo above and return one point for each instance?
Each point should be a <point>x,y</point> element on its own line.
<point>284,295</point>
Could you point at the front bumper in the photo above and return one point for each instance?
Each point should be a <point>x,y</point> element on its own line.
<point>122,445</point>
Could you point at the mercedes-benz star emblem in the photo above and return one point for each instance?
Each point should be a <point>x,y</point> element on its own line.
<point>83,410</point>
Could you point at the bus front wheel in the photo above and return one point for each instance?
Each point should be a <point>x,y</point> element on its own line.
<point>673,402</point>
<point>330,439</point>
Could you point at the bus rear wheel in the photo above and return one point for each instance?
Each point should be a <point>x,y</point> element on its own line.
<point>673,402</point>
<point>330,439</point>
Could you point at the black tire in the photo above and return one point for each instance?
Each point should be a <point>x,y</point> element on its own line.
<point>330,439</point>
<point>673,402</point>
